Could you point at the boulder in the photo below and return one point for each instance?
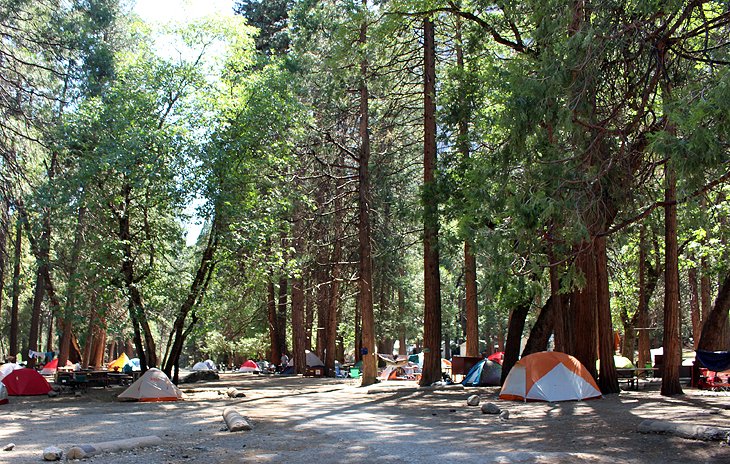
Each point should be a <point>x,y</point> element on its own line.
<point>473,400</point>
<point>52,453</point>
<point>490,408</point>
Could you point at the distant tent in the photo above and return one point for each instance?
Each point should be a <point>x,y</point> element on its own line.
<point>154,385</point>
<point>399,372</point>
<point>249,366</point>
<point>483,373</point>
<point>549,376</point>
<point>313,360</point>
<point>26,382</point>
<point>134,362</point>
<point>3,394</point>
<point>119,363</point>
<point>621,362</point>
<point>210,363</point>
<point>51,367</point>
<point>497,357</point>
<point>7,368</point>
<point>202,366</point>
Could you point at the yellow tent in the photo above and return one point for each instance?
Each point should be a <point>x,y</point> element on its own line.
<point>119,363</point>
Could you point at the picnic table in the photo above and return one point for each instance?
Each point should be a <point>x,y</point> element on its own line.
<point>632,375</point>
<point>86,378</point>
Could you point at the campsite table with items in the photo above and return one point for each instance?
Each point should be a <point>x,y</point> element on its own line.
<point>84,379</point>
<point>632,375</point>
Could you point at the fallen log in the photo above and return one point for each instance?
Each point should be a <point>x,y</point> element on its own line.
<point>234,421</point>
<point>691,431</point>
<point>91,449</point>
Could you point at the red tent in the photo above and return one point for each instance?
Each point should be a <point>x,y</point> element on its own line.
<point>497,357</point>
<point>26,382</point>
<point>52,367</point>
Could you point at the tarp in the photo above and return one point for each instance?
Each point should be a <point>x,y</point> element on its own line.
<point>549,376</point>
<point>7,368</point>
<point>313,360</point>
<point>52,366</point>
<point>26,382</point>
<point>249,366</point>
<point>717,361</point>
<point>483,373</point>
<point>119,363</point>
<point>153,385</point>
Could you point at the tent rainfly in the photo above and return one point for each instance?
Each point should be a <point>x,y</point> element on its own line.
<point>51,367</point>
<point>154,385</point>
<point>549,376</point>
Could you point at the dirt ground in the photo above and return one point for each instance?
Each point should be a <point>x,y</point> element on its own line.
<point>323,421</point>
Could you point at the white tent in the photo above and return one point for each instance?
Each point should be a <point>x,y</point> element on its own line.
<point>313,360</point>
<point>202,366</point>
<point>7,368</point>
<point>3,394</point>
<point>154,385</point>
<point>210,364</point>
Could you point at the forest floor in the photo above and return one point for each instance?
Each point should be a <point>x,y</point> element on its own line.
<point>324,421</point>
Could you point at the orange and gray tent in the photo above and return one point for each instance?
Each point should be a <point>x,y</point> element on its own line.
<point>549,376</point>
<point>154,385</point>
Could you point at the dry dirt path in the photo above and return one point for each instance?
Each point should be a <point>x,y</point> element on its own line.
<point>323,421</point>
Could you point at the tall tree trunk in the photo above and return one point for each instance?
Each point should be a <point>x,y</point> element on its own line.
<point>515,328</point>
<point>332,316</point>
<point>585,311</point>
<point>561,323</point>
<point>470,262</point>
<point>309,314</point>
<point>297,322</point>
<point>281,313</point>
<point>14,306</point>
<point>71,290</point>
<point>40,290</point>
<point>608,380</point>
<point>672,342</point>
<point>193,298</point>
<point>694,305</point>
<point>365,278</point>
<point>712,337</point>
<point>542,329</point>
<point>4,228</point>
<point>402,348</point>
<point>322,296</point>
<point>432,280</point>
<point>86,357</point>
<point>275,345</point>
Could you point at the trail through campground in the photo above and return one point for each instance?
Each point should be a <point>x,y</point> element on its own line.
<point>323,421</point>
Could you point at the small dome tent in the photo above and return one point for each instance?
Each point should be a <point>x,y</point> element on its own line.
<point>549,376</point>
<point>154,385</point>
<point>202,366</point>
<point>483,373</point>
<point>249,366</point>
<point>313,360</point>
<point>26,382</point>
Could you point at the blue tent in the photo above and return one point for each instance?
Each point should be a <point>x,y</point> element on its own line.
<point>484,373</point>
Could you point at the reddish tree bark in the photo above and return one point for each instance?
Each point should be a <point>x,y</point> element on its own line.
<point>432,281</point>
